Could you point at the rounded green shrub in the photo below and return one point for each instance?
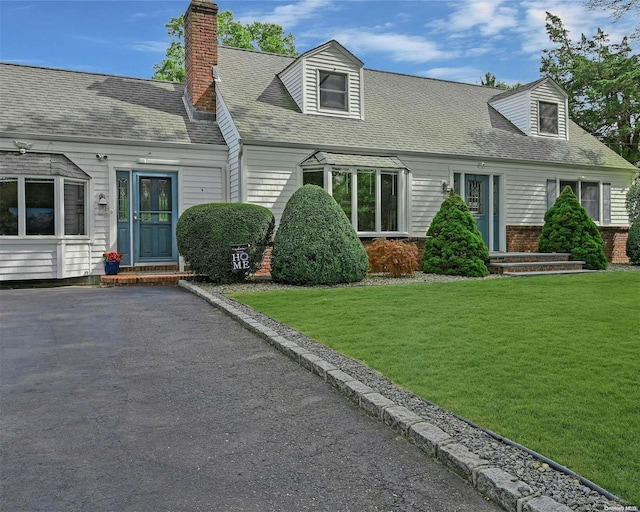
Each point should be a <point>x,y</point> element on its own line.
<point>568,228</point>
<point>315,242</point>
<point>633,242</point>
<point>205,233</point>
<point>454,245</point>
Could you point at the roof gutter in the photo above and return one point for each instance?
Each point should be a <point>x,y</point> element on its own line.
<point>387,151</point>
<point>124,142</point>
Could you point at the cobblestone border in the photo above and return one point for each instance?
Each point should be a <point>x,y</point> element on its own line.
<point>503,488</point>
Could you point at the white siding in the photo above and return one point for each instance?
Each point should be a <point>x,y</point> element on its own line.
<point>333,60</point>
<point>201,185</point>
<point>35,260</point>
<point>427,175</point>
<point>272,176</point>
<point>516,109</point>
<point>549,93</point>
<point>201,179</point>
<point>232,138</point>
<point>75,258</point>
<point>293,80</point>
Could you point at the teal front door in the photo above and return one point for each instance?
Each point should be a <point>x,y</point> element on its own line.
<point>154,217</point>
<point>477,198</point>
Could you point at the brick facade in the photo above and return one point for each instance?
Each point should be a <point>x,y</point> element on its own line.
<point>525,239</point>
<point>201,53</point>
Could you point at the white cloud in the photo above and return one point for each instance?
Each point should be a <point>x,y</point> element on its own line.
<point>467,74</point>
<point>151,46</point>
<point>399,47</point>
<point>488,17</point>
<point>289,15</point>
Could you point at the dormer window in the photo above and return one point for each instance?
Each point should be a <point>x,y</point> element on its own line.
<point>333,90</point>
<point>548,118</point>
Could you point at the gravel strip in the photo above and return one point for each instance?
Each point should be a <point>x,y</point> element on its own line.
<point>542,478</point>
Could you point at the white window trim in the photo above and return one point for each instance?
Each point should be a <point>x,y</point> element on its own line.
<point>549,134</point>
<point>58,195</point>
<point>353,170</point>
<point>328,110</point>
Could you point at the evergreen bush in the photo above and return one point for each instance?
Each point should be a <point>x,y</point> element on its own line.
<point>393,257</point>
<point>633,242</point>
<point>454,245</point>
<point>568,228</point>
<point>632,200</point>
<point>315,242</point>
<point>205,233</point>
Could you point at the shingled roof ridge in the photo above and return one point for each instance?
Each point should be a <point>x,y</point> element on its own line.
<point>91,73</point>
<point>397,73</point>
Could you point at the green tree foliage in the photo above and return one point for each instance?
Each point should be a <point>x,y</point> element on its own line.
<point>264,37</point>
<point>171,69</point>
<point>491,80</point>
<point>205,233</point>
<point>633,242</point>
<point>632,201</point>
<point>569,229</point>
<point>315,243</point>
<point>454,245</point>
<point>603,83</point>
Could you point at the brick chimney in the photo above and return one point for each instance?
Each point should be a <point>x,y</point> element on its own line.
<point>201,55</point>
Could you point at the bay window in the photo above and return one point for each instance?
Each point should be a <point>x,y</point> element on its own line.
<point>38,206</point>
<point>8,206</point>
<point>369,197</point>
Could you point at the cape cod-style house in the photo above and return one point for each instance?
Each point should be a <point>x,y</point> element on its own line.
<point>92,162</point>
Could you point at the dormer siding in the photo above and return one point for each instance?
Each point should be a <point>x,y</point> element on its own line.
<point>516,109</point>
<point>548,93</point>
<point>293,80</point>
<point>333,61</point>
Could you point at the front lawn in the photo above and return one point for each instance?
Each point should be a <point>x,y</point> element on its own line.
<point>550,362</point>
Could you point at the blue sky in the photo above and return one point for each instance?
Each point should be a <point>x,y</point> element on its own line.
<point>447,39</point>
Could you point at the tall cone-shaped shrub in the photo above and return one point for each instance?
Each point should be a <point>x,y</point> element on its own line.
<point>315,242</point>
<point>633,242</point>
<point>568,228</point>
<point>454,245</point>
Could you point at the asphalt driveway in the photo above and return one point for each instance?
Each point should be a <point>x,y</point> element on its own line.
<point>148,399</point>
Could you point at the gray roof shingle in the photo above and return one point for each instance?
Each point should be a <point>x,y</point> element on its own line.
<point>52,101</point>
<point>402,114</point>
<point>39,164</point>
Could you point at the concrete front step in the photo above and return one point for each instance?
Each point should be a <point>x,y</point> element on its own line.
<point>525,257</point>
<point>547,273</point>
<point>529,264</point>
<point>535,266</point>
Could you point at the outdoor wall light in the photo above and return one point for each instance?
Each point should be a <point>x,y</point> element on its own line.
<point>445,188</point>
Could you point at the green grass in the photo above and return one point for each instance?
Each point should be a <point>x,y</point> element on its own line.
<point>550,362</point>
